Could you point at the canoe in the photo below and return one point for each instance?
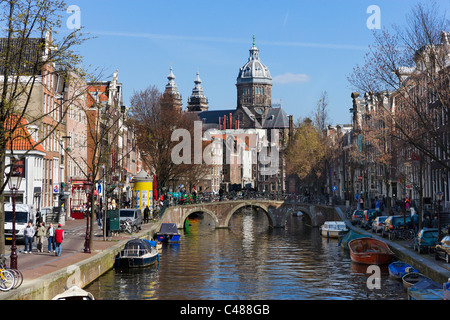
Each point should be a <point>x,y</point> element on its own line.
<point>349,237</point>
<point>397,269</point>
<point>411,278</point>
<point>370,251</point>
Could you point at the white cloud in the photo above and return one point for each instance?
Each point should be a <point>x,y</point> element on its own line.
<point>291,78</point>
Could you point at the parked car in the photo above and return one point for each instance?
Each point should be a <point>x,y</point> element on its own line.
<point>357,216</point>
<point>442,250</point>
<point>368,217</point>
<point>134,215</point>
<point>378,223</point>
<point>393,222</point>
<point>426,240</point>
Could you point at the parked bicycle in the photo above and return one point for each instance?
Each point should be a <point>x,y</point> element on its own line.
<point>127,226</point>
<point>402,234</point>
<point>6,283</point>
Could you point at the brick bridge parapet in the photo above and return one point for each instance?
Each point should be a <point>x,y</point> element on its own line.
<point>276,211</point>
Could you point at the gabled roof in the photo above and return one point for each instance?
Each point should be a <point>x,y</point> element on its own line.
<point>276,119</point>
<point>21,137</point>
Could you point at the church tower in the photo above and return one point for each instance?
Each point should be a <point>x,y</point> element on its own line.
<point>254,91</point>
<point>172,91</point>
<point>197,101</point>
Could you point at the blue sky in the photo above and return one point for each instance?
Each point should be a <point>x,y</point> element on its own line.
<point>309,46</point>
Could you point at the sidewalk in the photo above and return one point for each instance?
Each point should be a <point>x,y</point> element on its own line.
<point>40,264</point>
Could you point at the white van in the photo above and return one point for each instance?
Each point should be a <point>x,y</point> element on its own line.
<point>24,213</point>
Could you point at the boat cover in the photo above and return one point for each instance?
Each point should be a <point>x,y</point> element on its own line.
<point>168,228</point>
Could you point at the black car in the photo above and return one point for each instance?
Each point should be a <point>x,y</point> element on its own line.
<point>442,250</point>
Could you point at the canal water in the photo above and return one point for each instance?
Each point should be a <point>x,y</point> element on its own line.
<point>249,261</point>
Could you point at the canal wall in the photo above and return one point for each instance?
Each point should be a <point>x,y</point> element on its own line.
<point>79,274</point>
<point>423,262</point>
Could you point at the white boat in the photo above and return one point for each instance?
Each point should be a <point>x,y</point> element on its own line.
<point>333,229</point>
<point>74,293</point>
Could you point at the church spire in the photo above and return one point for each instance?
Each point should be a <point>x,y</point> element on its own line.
<point>197,101</point>
<point>171,89</point>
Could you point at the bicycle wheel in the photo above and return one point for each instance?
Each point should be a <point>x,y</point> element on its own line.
<point>18,277</point>
<point>410,235</point>
<point>6,280</point>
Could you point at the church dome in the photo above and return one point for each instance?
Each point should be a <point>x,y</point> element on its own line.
<point>254,71</point>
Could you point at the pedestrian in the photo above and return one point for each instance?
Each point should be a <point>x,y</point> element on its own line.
<point>28,232</point>
<point>59,237</point>
<point>435,223</point>
<point>427,222</point>
<point>146,214</point>
<point>40,235</point>
<point>51,238</point>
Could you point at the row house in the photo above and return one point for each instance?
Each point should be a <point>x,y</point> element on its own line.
<point>59,110</point>
<point>379,159</point>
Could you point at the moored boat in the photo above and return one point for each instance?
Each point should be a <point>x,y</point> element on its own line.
<point>137,253</point>
<point>398,269</point>
<point>74,293</point>
<point>333,229</point>
<point>411,278</point>
<point>350,236</point>
<point>168,233</point>
<point>370,251</point>
<point>426,289</point>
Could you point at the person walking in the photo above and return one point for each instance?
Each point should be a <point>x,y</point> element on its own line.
<point>51,238</point>
<point>29,234</point>
<point>146,214</point>
<point>40,234</point>
<point>59,237</point>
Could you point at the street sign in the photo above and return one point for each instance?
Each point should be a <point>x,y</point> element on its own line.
<point>334,188</point>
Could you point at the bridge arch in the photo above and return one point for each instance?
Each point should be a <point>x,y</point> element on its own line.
<point>252,205</point>
<point>187,213</point>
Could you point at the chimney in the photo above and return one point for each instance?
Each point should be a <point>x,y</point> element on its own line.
<point>291,128</point>
<point>220,125</point>
<point>231,122</point>
<point>224,122</point>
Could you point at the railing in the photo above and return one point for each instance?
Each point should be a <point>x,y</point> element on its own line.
<point>240,195</point>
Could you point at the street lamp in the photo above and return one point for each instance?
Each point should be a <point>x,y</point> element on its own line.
<point>15,178</point>
<point>88,189</point>
<point>439,199</point>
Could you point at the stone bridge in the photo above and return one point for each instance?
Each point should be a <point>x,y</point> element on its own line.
<point>276,211</point>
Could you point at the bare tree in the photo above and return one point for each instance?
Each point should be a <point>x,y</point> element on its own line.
<point>28,51</point>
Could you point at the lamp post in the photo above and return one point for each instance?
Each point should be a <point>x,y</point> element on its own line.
<point>15,178</point>
<point>439,199</point>
<point>88,189</point>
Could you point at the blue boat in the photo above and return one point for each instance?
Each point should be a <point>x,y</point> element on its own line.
<point>426,289</point>
<point>168,233</point>
<point>137,253</point>
<point>397,269</point>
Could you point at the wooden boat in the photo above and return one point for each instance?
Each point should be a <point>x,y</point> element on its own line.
<point>137,253</point>
<point>411,278</point>
<point>398,269</point>
<point>349,237</point>
<point>168,233</point>
<point>370,251</point>
<point>74,293</point>
<point>333,229</point>
<point>426,289</point>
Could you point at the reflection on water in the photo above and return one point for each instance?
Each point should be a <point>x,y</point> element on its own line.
<point>248,261</point>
